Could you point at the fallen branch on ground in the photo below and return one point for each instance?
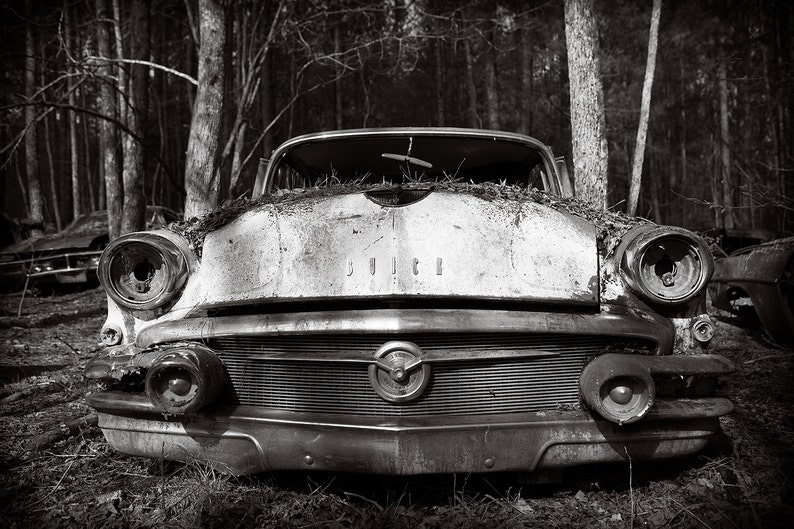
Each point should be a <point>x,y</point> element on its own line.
<point>63,431</point>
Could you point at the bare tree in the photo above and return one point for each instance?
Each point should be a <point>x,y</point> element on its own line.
<point>73,116</point>
<point>35,198</point>
<point>471,87</point>
<point>108,137</point>
<point>132,218</point>
<point>645,108</point>
<point>525,94</point>
<point>202,168</point>
<point>725,152</point>
<point>588,130</point>
<point>491,90</point>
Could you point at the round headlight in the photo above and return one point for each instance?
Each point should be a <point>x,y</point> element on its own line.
<point>142,271</point>
<point>667,265</point>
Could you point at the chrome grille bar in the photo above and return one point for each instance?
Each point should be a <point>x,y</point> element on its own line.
<point>280,372</point>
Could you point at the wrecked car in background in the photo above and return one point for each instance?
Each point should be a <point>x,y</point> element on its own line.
<point>69,256</point>
<point>408,301</point>
<point>759,281</point>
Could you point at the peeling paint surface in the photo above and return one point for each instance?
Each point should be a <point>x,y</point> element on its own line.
<point>445,245</point>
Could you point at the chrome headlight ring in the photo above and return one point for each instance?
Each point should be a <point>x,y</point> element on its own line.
<point>667,265</point>
<point>144,271</point>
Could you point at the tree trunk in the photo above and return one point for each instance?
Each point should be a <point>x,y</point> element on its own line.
<point>48,141</point>
<point>491,91</point>
<point>645,110</point>
<point>439,83</point>
<point>108,137</point>
<point>715,193</point>
<point>525,95</point>
<point>121,105</point>
<point>338,108</point>
<point>725,153</point>
<point>268,103</point>
<point>655,176</point>
<point>88,183</point>
<point>588,130</point>
<point>682,145</point>
<point>202,171</point>
<point>72,118</point>
<point>471,89</point>
<point>134,211</point>
<point>35,198</point>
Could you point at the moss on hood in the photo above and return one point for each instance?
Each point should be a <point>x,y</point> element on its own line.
<point>610,226</point>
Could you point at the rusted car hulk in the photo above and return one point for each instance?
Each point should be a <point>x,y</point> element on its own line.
<point>69,256</point>
<point>759,280</point>
<point>408,301</point>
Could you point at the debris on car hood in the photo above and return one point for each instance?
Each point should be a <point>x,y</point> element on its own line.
<point>610,225</point>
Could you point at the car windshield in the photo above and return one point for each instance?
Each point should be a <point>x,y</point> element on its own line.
<point>408,159</point>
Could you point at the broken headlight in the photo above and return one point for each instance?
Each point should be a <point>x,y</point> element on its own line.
<point>144,271</point>
<point>667,265</point>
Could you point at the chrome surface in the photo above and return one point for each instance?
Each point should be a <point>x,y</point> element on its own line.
<point>634,325</point>
<point>399,373</point>
<point>245,440</point>
<point>280,372</point>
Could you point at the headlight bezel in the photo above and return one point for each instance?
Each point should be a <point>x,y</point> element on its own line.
<point>647,265</point>
<point>144,271</point>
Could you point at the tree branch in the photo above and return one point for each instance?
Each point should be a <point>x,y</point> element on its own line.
<point>154,65</point>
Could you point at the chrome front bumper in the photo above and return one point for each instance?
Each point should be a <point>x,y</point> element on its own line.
<point>245,440</point>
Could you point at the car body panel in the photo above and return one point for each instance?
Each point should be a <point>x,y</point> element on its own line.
<point>349,247</point>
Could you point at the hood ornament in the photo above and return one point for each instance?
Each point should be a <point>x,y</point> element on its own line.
<point>399,373</point>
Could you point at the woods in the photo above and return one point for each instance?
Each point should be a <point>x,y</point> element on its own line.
<point>120,104</point>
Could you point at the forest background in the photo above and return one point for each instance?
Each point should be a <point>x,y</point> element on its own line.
<point>103,103</point>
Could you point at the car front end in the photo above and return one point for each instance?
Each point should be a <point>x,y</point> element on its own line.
<point>432,326</point>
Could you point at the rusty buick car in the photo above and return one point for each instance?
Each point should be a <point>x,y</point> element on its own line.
<point>408,301</point>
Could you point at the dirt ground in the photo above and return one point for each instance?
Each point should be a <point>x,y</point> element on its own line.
<point>56,469</point>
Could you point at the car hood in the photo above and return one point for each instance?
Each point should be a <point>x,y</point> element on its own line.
<point>446,245</point>
<point>51,243</point>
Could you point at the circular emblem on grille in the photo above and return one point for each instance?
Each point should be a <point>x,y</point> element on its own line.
<point>398,374</point>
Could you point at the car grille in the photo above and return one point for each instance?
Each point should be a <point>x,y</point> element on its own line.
<point>277,372</point>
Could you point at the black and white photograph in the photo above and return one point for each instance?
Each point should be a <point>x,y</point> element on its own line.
<point>397,263</point>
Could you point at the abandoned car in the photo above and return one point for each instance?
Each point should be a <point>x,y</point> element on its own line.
<point>758,282</point>
<point>408,301</point>
<point>68,256</point>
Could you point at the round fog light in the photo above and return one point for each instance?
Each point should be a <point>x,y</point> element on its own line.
<point>180,384</point>
<point>618,387</point>
<point>621,394</point>
<point>184,379</point>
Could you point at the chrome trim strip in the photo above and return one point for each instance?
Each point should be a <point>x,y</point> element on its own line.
<point>611,321</point>
<point>137,404</point>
